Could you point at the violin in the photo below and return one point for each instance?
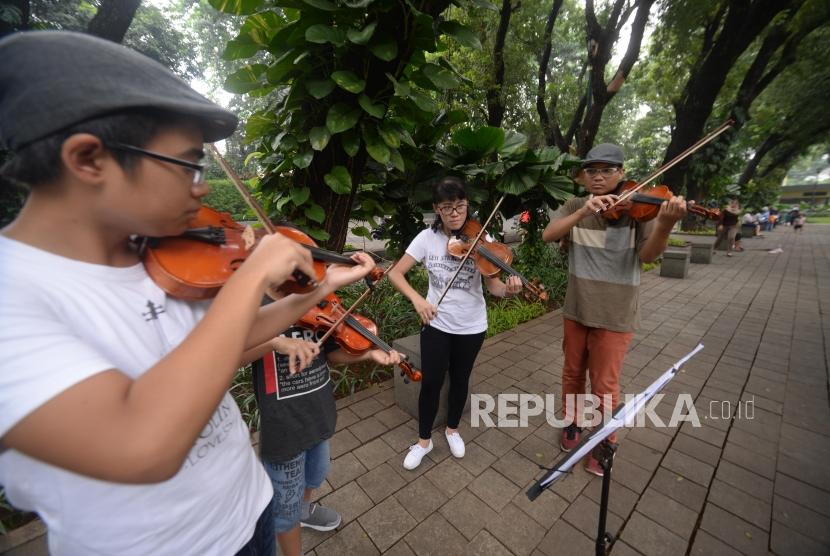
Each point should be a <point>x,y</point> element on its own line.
<point>644,204</point>
<point>355,334</point>
<point>196,264</point>
<point>491,256</point>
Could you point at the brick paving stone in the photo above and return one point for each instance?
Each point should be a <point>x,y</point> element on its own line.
<point>380,482</point>
<point>621,500</point>
<point>630,474</point>
<point>485,543</point>
<point>806,495</point>
<point>368,428</point>
<point>656,439</point>
<point>563,534</point>
<point>346,417</point>
<point>449,477</point>
<point>421,498</point>
<point>734,531</point>
<point>344,469</point>
<point>400,548</point>
<point>545,509</point>
<point>669,513</point>
<point>651,538</point>
<point>754,462</point>
<point>538,449</point>
<point>745,480</point>
<point>367,408</point>
<point>786,541</point>
<point>697,449</point>
<point>746,441</point>
<point>386,523</point>
<point>467,513</point>
<point>311,539</point>
<point>401,437</point>
<point>513,528</point>
<point>374,453</point>
<point>643,456</point>
<point>706,433</point>
<point>349,501</point>
<point>741,504</point>
<point>342,442</point>
<point>435,536</point>
<point>804,520</point>
<point>476,459</point>
<point>496,442</point>
<point>351,540</point>
<point>495,489</point>
<point>516,467</point>
<point>583,513</point>
<point>391,416</point>
<point>706,545</point>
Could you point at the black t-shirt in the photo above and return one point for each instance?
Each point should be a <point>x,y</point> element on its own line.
<point>729,219</point>
<point>296,411</point>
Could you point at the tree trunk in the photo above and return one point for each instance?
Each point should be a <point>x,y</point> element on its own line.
<point>495,92</point>
<point>112,19</point>
<point>553,135</point>
<point>772,141</point>
<point>743,21</point>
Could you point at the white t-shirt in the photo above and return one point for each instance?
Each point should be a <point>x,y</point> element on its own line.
<point>62,321</point>
<point>462,310</point>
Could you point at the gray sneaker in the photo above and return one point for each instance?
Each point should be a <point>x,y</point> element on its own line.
<point>320,518</point>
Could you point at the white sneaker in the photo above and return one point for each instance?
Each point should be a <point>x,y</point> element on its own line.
<point>456,444</point>
<point>415,455</point>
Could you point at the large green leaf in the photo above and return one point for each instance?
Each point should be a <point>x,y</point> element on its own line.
<point>315,212</point>
<point>320,88</point>
<point>441,77</point>
<point>236,7</point>
<point>484,140</point>
<point>376,110</point>
<point>349,81</point>
<point>350,141</point>
<point>319,137</point>
<point>386,51</point>
<point>390,135</point>
<point>397,160</point>
<point>362,36</point>
<point>559,187</point>
<point>341,117</point>
<point>339,180</point>
<point>322,34</point>
<point>513,141</point>
<point>262,26</point>
<point>302,159</point>
<point>240,48</point>
<point>245,79</point>
<point>319,235</point>
<point>299,195</point>
<point>463,34</point>
<point>423,101</point>
<point>516,182</point>
<point>375,146</point>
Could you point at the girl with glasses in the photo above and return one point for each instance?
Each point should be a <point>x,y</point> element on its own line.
<point>454,331</point>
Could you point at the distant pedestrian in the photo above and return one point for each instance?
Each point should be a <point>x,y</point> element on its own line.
<point>799,221</point>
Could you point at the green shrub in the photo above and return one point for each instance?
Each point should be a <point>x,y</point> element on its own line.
<point>506,314</point>
<point>224,197</point>
<point>677,242</point>
<point>645,267</point>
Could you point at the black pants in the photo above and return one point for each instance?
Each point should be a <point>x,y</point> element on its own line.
<point>440,352</point>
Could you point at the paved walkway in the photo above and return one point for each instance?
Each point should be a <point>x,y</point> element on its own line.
<point>754,483</point>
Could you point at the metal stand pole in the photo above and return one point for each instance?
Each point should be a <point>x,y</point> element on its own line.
<point>604,452</point>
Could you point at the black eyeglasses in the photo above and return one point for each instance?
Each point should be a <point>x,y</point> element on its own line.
<point>604,171</point>
<point>198,169</point>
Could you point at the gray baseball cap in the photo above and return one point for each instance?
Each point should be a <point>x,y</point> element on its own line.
<point>51,80</point>
<point>605,152</point>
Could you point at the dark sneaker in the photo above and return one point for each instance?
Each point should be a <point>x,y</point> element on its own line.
<point>571,435</point>
<point>320,518</point>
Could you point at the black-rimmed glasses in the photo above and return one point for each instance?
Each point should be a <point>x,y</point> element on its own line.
<point>604,171</point>
<point>447,210</point>
<point>198,169</point>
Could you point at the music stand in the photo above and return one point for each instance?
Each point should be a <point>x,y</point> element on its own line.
<point>604,451</point>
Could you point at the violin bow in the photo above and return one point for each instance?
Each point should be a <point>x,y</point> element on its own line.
<point>673,162</point>
<point>354,306</point>
<point>469,251</point>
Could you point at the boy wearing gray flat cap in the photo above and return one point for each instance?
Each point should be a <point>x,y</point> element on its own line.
<point>601,308</point>
<point>116,426</point>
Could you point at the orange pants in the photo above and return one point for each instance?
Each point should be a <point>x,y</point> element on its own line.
<point>601,353</point>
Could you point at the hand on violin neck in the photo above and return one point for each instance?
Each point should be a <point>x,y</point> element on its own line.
<point>671,211</point>
<point>276,259</point>
<point>300,353</point>
<point>338,275</point>
<point>383,358</point>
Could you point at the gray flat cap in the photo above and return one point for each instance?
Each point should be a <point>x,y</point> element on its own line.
<point>50,80</point>
<point>605,152</point>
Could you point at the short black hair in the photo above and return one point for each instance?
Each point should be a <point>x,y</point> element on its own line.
<point>449,188</point>
<point>39,162</point>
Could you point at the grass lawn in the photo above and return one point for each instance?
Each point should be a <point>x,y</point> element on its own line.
<point>818,219</point>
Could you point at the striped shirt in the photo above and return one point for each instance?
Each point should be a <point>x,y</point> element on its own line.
<point>603,270</point>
